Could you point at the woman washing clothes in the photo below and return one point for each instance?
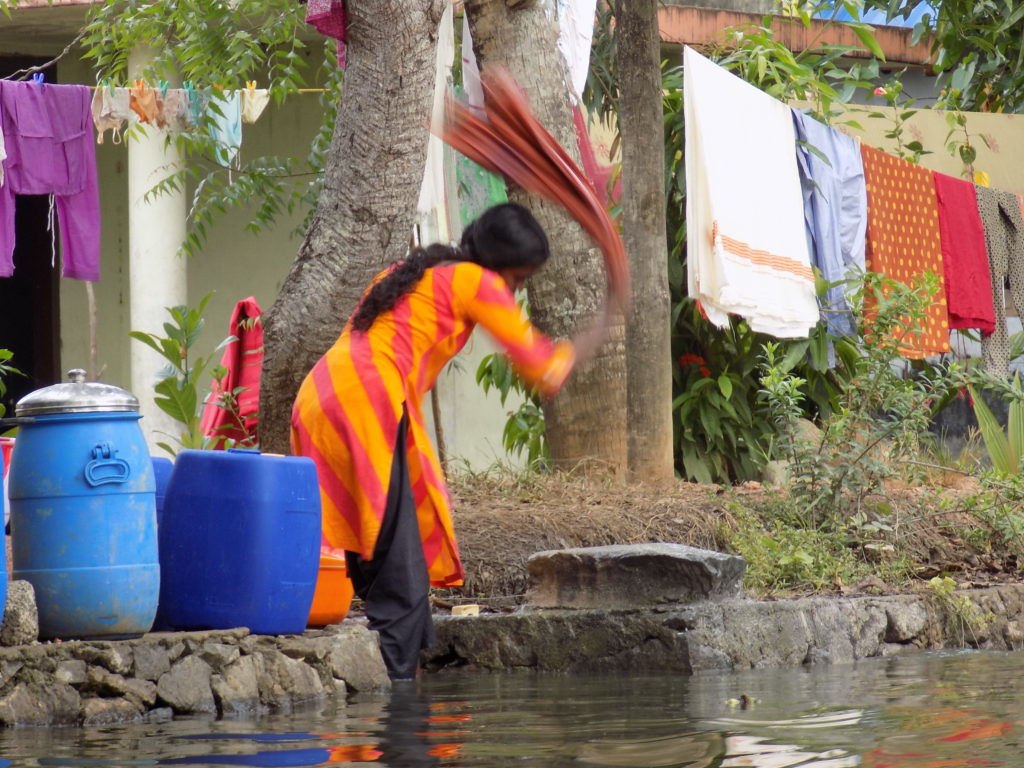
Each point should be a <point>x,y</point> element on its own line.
<point>358,413</point>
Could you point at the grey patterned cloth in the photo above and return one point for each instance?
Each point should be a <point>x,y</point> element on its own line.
<point>1004,241</point>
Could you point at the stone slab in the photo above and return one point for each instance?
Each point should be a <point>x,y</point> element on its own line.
<point>631,576</point>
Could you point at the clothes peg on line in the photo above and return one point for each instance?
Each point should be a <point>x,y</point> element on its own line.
<point>39,79</point>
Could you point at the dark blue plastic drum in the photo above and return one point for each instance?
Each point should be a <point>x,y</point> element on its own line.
<point>83,511</point>
<point>239,541</point>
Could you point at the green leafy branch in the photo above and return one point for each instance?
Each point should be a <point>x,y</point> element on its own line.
<point>177,388</point>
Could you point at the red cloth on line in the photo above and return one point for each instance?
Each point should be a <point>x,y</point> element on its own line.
<point>243,359</point>
<point>964,260</point>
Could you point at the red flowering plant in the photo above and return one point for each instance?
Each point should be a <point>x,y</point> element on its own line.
<point>692,359</point>
<point>719,426</point>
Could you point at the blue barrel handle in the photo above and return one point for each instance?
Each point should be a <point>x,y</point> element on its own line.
<point>105,467</point>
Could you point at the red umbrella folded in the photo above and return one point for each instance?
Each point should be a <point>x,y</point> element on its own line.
<point>243,359</point>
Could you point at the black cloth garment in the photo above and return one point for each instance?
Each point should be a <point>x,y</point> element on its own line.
<point>394,584</point>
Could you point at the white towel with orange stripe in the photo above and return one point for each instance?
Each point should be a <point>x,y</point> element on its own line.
<point>747,248</point>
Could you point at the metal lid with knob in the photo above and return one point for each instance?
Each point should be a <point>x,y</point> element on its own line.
<point>77,396</point>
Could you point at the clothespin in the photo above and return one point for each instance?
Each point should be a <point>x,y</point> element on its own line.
<point>140,85</point>
<point>164,85</point>
<point>250,86</point>
<point>39,79</point>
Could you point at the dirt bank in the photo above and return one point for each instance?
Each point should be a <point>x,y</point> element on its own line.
<point>502,520</point>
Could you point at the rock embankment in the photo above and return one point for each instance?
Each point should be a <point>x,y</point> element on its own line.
<point>639,608</point>
<point>665,607</point>
<point>221,673</point>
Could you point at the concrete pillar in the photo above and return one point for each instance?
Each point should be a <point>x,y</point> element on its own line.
<point>157,274</point>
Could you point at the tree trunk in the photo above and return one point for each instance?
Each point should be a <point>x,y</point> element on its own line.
<point>648,340</point>
<point>367,208</point>
<point>586,423</point>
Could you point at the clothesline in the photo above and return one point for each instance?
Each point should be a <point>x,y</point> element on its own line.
<point>297,90</point>
<point>842,207</point>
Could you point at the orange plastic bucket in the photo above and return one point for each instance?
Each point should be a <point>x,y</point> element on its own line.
<point>333,594</point>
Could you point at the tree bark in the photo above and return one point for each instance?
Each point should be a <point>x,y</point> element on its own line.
<point>586,422</point>
<point>648,335</point>
<point>367,208</point>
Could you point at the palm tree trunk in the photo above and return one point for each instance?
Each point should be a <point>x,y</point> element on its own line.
<point>366,211</point>
<point>648,336</point>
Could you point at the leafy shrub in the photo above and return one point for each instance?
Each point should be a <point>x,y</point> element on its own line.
<point>177,387</point>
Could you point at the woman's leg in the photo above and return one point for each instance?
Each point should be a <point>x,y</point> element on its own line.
<point>394,584</point>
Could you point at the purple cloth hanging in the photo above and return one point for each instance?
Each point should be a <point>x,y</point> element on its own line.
<point>51,149</point>
<point>328,17</point>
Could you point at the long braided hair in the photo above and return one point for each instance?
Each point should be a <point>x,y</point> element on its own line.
<point>504,236</point>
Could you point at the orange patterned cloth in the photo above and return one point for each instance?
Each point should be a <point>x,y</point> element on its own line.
<point>903,238</point>
<point>347,412</point>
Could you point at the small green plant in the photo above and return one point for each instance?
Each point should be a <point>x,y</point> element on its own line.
<point>720,428</point>
<point>178,386</point>
<point>6,369</point>
<point>964,617</point>
<point>524,429</point>
<point>1005,449</point>
<point>880,414</point>
<point>783,556</point>
<point>902,111</point>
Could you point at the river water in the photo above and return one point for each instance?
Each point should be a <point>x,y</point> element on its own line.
<point>915,711</point>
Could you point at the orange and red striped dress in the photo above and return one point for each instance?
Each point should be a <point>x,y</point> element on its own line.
<point>348,409</point>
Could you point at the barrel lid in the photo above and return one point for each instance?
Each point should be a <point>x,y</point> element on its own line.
<point>76,396</point>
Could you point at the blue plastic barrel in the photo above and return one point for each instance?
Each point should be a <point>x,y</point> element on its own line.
<point>83,512</point>
<point>239,541</point>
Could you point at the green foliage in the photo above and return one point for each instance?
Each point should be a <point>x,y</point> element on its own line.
<point>178,387</point>
<point>784,556</point>
<point>965,619</point>
<point>6,369</point>
<point>719,426</point>
<point>880,414</point>
<point>1005,449</point>
<point>999,510</point>
<point>901,110</point>
<point>601,91</point>
<point>821,73</point>
<point>978,48</point>
<point>781,390</point>
<point>524,429</point>
<point>224,43</point>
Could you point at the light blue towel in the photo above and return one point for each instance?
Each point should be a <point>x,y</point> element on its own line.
<point>226,127</point>
<point>835,213</point>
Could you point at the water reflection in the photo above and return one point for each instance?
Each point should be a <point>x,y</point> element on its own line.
<point>935,711</point>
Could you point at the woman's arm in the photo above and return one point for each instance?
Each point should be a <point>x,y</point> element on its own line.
<point>538,360</point>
